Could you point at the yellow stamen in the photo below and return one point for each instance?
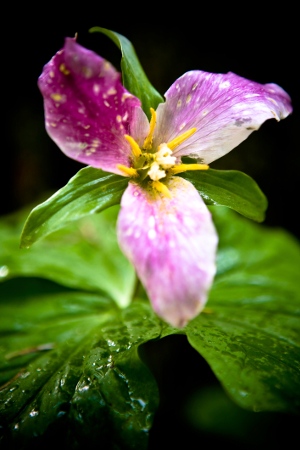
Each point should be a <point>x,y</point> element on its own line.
<point>160,187</point>
<point>185,167</point>
<point>179,139</point>
<point>129,171</point>
<point>148,141</point>
<point>134,146</point>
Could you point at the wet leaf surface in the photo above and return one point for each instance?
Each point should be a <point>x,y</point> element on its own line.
<point>70,363</point>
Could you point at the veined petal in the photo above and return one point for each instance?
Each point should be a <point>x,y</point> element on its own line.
<point>172,244</point>
<point>225,109</point>
<point>87,110</point>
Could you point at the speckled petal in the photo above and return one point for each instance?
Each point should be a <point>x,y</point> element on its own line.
<point>172,244</point>
<point>87,110</point>
<point>225,109</point>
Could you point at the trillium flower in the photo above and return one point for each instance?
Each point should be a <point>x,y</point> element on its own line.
<point>164,227</point>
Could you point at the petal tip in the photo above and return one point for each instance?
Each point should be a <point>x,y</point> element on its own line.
<point>180,317</point>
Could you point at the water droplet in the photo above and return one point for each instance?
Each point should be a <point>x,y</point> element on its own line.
<point>83,388</point>
<point>3,271</point>
<point>33,413</point>
<point>13,388</point>
<point>25,375</point>
<point>141,402</point>
<point>243,393</point>
<point>7,400</point>
<point>152,234</point>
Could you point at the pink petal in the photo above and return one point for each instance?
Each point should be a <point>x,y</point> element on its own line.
<point>87,109</point>
<point>225,109</point>
<point>172,245</point>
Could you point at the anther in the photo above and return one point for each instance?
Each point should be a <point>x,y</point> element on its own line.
<point>148,141</point>
<point>129,171</point>
<point>134,146</point>
<point>179,139</point>
<point>184,167</point>
<point>160,187</point>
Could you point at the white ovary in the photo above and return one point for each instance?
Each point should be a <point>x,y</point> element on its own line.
<point>162,160</point>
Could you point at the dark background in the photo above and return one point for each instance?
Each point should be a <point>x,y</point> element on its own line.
<point>169,41</point>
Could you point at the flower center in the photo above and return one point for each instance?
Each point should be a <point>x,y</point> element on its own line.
<point>148,162</point>
<point>162,161</point>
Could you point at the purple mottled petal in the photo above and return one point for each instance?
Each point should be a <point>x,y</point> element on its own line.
<point>172,244</point>
<point>225,109</point>
<point>87,109</point>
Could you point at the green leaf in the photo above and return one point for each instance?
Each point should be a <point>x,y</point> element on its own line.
<point>92,190</point>
<point>230,188</point>
<point>89,191</point>
<point>134,77</point>
<point>78,378</point>
<point>250,332</point>
<point>83,255</point>
<point>69,360</point>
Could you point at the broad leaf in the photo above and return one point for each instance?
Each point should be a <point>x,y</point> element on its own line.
<point>77,377</point>
<point>83,255</point>
<point>70,357</point>
<point>88,192</point>
<point>134,77</point>
<point>230,188</point>
<point>250,334</point>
